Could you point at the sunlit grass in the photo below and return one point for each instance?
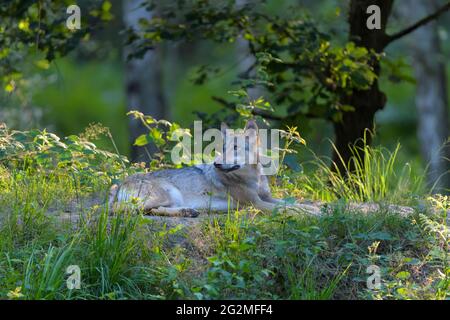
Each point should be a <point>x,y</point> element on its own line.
<point>48,223</point>
<point>373,174</point>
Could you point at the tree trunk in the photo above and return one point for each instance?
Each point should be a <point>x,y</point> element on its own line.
<point>352,130</point>
<point>431,95</point>
<point>246,59</point>
<point>366,103</point>
<point>143,81</point>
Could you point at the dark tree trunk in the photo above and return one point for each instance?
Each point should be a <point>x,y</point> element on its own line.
<point>352,130</point>
<point>366,103</point>
<point>144,81</point>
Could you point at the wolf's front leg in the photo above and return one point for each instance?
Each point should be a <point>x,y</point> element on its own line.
<point>267,203</point>
<point>174,212</point>
<point>282,205</point>
<point>295,207</point>
<point>273,200</point>
<point>251,196</point>
<point>221,205</point>
<point>264,206</point>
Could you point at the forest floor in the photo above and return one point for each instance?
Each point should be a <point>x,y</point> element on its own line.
<point>321,253</point>
<point>73,211</point>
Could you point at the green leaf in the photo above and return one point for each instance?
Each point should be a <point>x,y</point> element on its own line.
<point>347,108</point>
<point>239,93</point>
<point>402,291</point>
<point>380,235</point>
<point>24,25</point>
<point>156,136</point>
<point>403,275</point>
<point>243,110</point>
<point>10,87</point>
<point>42,64</point>
<point>106,6</point>
<point>142,140</point>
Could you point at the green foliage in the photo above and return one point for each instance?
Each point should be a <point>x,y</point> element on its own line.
<point>249,107</point>
<point>47,223</point>
<point>38,29</point>
<point>109,245</point>
<point>162,134</point>
<point>397,70</point>
<point>302,71</point>
<point>167,135</point>
<point>305,257</point>
<point>372,174</point>
<point>41,150</point>
<point>239,255</point>
<point>405,279</point>
<point>42,278</point>
<point>39,240</point>
<point>76,93</point>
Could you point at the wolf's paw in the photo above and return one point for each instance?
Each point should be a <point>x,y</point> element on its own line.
<point>189,213</point>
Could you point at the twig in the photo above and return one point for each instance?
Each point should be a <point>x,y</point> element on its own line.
<point>418,24</point>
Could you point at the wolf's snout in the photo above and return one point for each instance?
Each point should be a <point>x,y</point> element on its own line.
<point>226,167</point>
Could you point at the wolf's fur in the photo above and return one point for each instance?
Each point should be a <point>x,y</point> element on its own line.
<point>205,187</point>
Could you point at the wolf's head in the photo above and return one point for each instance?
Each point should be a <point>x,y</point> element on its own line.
<point>240,148</point>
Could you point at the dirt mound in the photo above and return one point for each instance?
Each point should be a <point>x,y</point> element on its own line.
<point>73,211</point>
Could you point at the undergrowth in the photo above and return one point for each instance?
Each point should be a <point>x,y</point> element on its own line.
<point>52,216</point>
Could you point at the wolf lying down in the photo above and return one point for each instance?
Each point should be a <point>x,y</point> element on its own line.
<point>220,186</point>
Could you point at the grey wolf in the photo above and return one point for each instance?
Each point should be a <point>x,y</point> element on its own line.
<point>229,182</point>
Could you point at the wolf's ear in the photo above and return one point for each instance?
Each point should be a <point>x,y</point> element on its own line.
<point>223,128</point>
<point>251,125</point>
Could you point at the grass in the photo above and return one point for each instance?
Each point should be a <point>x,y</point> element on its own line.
<point>377,176</point>
<point>48,223</point>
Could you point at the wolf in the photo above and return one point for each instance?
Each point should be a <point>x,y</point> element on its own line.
<point>230,181</point>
